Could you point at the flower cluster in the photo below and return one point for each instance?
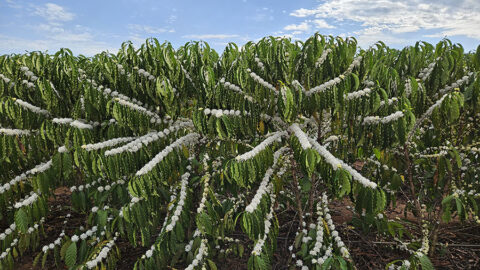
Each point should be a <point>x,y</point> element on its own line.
<point>372,120</point>
<point>338,241</point>
<point>389,101</point>
<point>385,167</point>
<point>358,94</point>
<point>145,74</point>
<point>322,57</point>
<point>80,125</point>
<point>265,187</point>
<point>31,76</point>
<point>134,104</point>
<point>337,163</point>
<point>31,107</point>
<point>149,253</point>
<point>408,87</point>
<point>148,138</point>
<point>257,249</point>
<point>37,169</point>
<point>102,254</point>
<point>28,84</point>
<point>63,121</point>
<point>110,186</point>
<point>205,186</point>
<point>121,69</point>
<point>202,251</point>
<point>465,79</point>
<point>261,81</point>
<point>204,195</point>
<point>130,145</point>
<point>183,69</point>
<point>15,241</point>
<point>276,136</point>
<point>327,85</point>
<point>5,79</point>
<point>324,86</point>
<point>86,186</point>
<point>181,202</point>
<point>319,236</point>
<point>426,114</point>
<point>236,88</point>
<point>187,139</point>
<point>425,73</point>
<point>220,113</point>
<point>298,85</point>
<point>7,251</point>
<point>28,200</point>
<point>188,247</point>
<point>139,108</point>
<point>259,63</point>
<point>14,132</point>
<point>58,241</point>
<point>8,231</point>
<point>109,143</point>
<point>355,63</point>
<point>331,138</point>
<point>302,137</point>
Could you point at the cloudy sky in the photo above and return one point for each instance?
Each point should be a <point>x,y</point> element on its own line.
<point>88,27</point>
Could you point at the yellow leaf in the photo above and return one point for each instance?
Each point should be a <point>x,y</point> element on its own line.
<point>261,126</point>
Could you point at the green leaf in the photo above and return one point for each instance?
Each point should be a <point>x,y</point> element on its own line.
<point>21,220</point>
<point>71,255</point>
<point>211,264</point>
<point>425,263</point>
<point>377,153</point>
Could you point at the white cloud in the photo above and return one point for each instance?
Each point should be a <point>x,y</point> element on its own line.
<point>303,12</point>
<point>304,26</point>
<point>262,15</point>
<point>319,23</point>
<point>210,36</point>
<point>53,12</point>
<point>387,18</point>
<point>148,29</point>
<point>369,36</point>
<point>13,4</point>
<point>172,18</point>
<point>80,44</point>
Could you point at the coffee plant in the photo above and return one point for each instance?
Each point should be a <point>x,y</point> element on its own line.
<point>193,155</point>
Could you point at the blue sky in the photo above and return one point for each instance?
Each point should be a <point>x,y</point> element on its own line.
<point>88,27</point>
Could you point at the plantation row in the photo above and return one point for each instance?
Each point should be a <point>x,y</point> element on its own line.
<point>194,155</point>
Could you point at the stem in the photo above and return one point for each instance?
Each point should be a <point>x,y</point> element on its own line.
<point>297,192</point>
<point>410,180</point>
<point>438,220</point>
<point>311,197</point>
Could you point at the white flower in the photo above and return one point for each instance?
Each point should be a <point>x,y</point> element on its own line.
<point>45,249</point>
<point>74,238</point>
<point>149,253</point>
